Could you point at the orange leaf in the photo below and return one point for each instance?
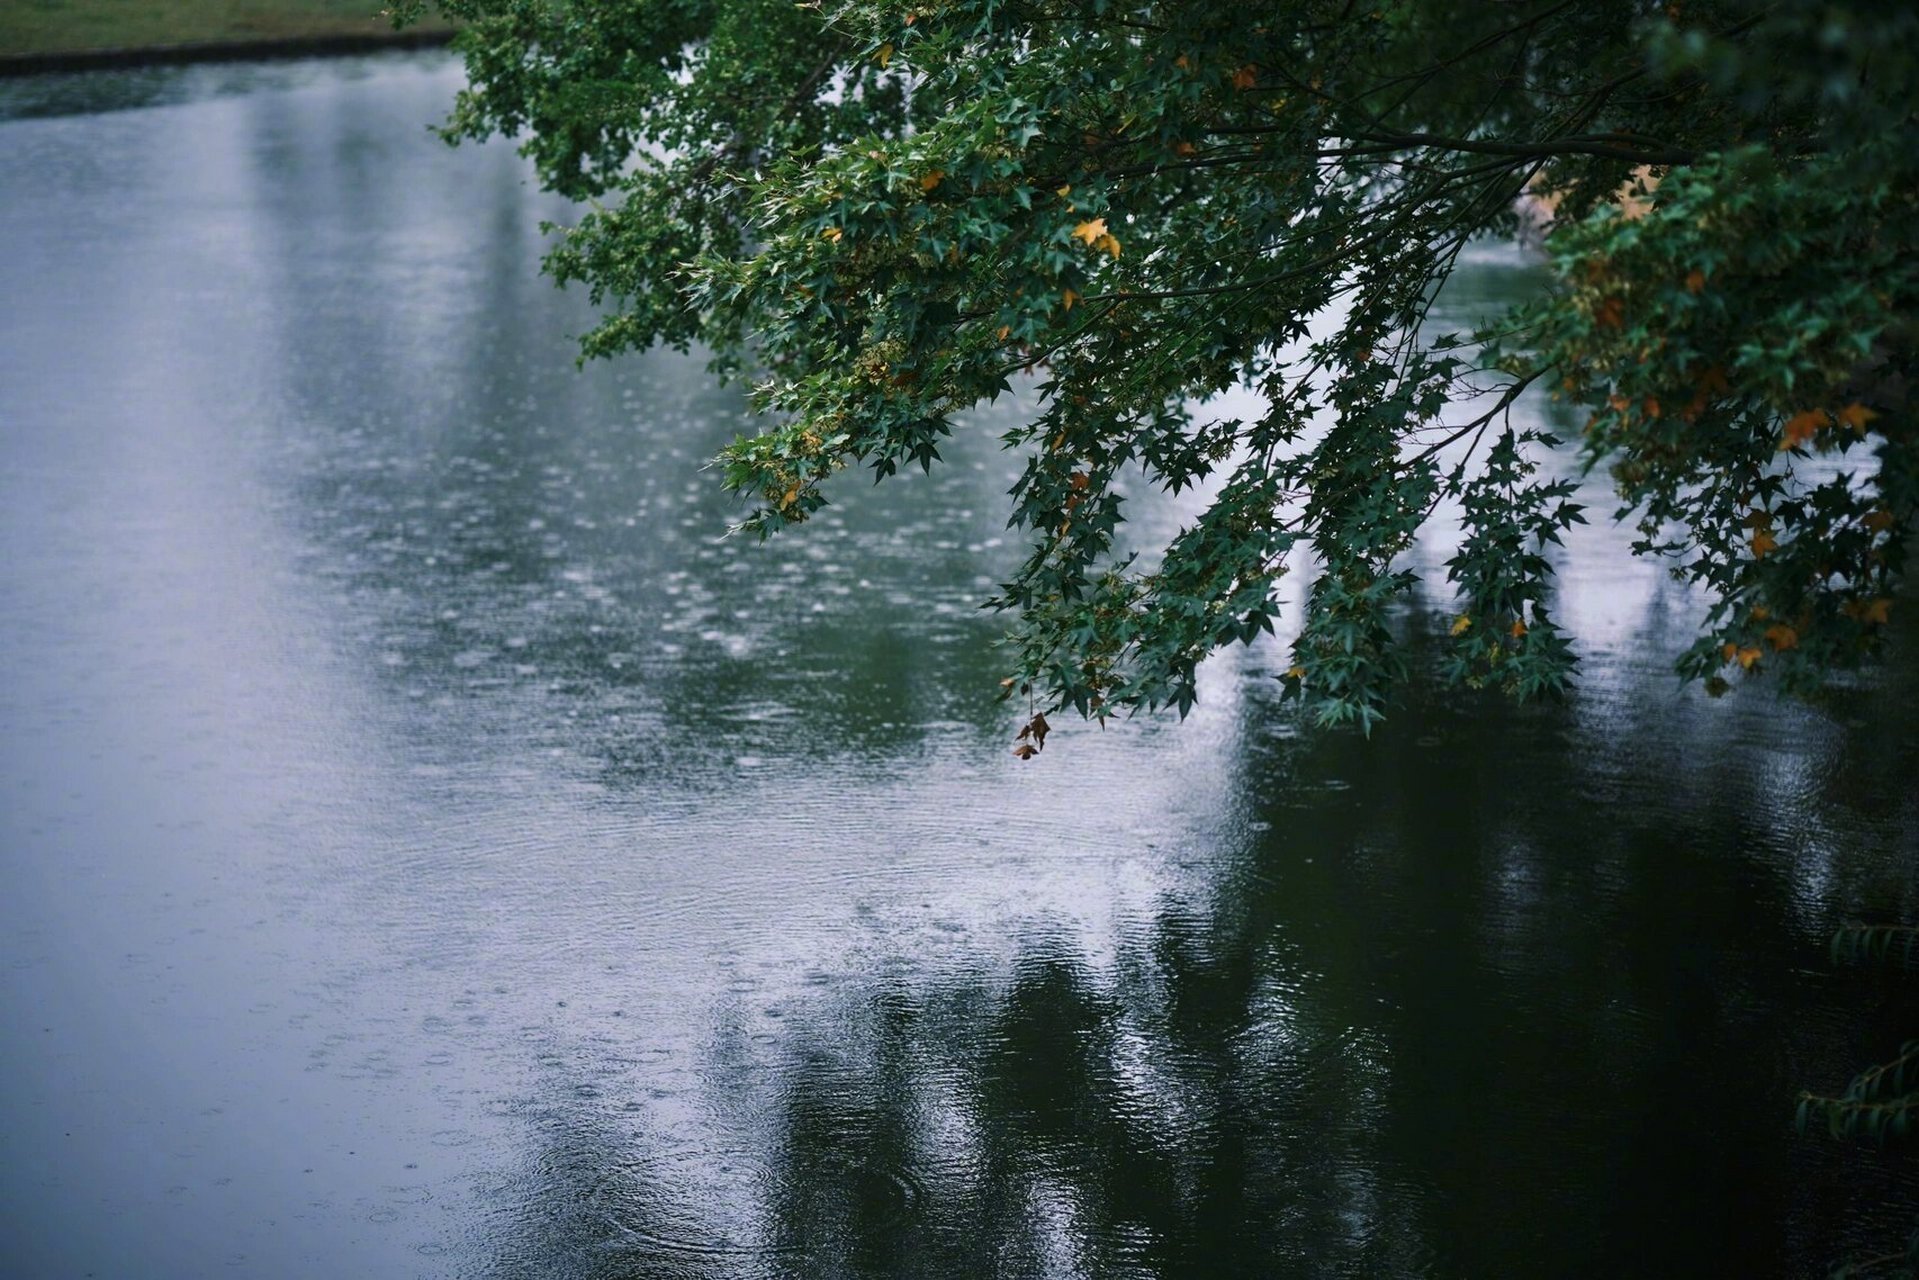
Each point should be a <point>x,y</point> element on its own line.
<point>1518,628</point>
<point>1762,542</point>
<point>1729,651</point>
<point>1246,77</point>
<point>932,179</point>
<point>1748,656</point>
<point>1878,521</point>
<point>1696,281</point>
<point>1802,427</point>
<point>1611,314</point>
<point>1069,298</point>
<point>1856,416</point>
<point>1781,636</point>
<point>1185,149</point>
<point>1879,611</point>
<point>1107,244</point>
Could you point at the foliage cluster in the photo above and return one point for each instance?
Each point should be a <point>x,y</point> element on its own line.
<point>882,212</point>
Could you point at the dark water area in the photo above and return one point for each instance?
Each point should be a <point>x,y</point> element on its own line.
<point>428,849</point>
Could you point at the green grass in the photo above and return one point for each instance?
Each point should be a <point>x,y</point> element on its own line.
<point>65,26</point>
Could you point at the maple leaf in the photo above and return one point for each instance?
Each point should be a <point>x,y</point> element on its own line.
<point>1026,751</point>
<point>1695,281</point>
<point>1462,624</point>
<point>932,179</point>
<point>1107,244</point>
<point>1879,611</point>
<point>1748,657</point>
<point>1762,542</point>
<point>1090,231</point>
<point>1856,416</point>
<point>1780,636</point>
<point>1068,298</point>
<point>1802,427</point>
<point>884,56</point>
<point>1246,77</point>
<point>1518,628</point>
<point>833,234</point>
<point>1611,314</point>
<point>1878,521</point>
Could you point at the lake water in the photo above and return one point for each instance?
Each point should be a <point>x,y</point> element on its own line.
<point>429,850</point>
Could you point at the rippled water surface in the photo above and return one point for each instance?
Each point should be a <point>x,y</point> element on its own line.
<point>429,850</point>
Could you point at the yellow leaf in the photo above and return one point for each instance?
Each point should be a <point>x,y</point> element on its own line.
<point>1760,613</point>
<point>1748,656</point>
<point>1462,624</point>
<point>788,498</point>
<point>1295,673</point>
<point>1879,611</point>
<point>833,234</point>
<point>884,56</point>
<point>1729,651</point>
<point>1069,298</point>
<point>1518,628</point>
<point>1004,330</point>
<point>1781,636</point>
<point>1856,416</point>
<point>1063,192</point>
<point>1762,542</point>
<point>1108,244</point>
<point>1091,231</point>
<point>932,179</point>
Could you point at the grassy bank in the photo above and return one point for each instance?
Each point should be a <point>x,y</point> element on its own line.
<point>29,27</point>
